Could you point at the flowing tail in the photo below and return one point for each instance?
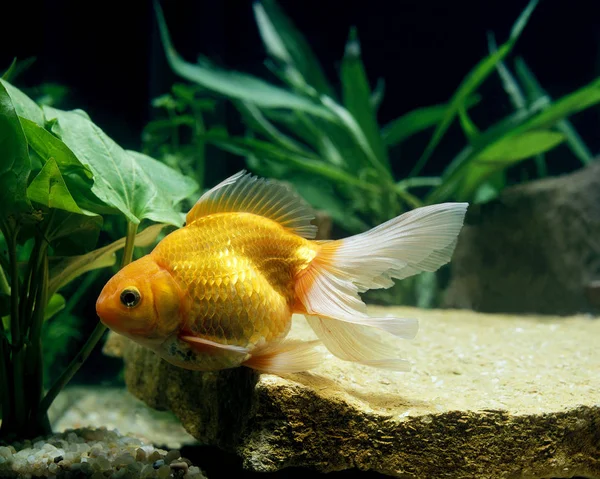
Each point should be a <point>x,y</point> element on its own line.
<point>420,240</point>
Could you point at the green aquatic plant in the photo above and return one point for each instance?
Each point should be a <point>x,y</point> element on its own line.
<point>176,137</point>
<point>61,177</point>
<point>331,147</point>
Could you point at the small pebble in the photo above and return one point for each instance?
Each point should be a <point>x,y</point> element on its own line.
<point>164,471</point>
<point>179,465</point>
<point>140,455</point>
<point>171,456</point>
<point>158,463</point>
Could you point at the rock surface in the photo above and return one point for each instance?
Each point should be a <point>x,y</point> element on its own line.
<point>536,249</point>
<point>490,396</point>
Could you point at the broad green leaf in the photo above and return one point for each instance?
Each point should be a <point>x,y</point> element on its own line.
<point>263,149</point>
<point>471,82</point>
<point>418,120</point>
<point>172,185</point>
<point>15,165</point>
<point>24,106</point>
<point>65,269</point>
<point>46,145</point>
<point>72,233</point>
<point>119,181</point>
<point>357,97</point>
<point>235,85</point>
<point>55,304</point>
<point>284,42</point>
<point>48,188</point>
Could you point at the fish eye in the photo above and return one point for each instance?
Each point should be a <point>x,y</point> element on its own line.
<point>130,297</point>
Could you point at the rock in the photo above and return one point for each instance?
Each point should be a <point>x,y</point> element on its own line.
<point>490,396</point>
<point>536,249</point>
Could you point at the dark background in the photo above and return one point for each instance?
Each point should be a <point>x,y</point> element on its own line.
<point>109,55</point>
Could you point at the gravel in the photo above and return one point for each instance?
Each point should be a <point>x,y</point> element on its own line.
<point>93,452</point>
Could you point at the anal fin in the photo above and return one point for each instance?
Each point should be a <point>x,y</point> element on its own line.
<point>289,356</point>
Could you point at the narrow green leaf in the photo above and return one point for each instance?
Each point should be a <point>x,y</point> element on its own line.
<point>284,42</point>
<point>48,188</point>
<point>65,269</point>
<point>469,128</point>
<point>496,157</point>
<point>15,165</point>
<point>535,93</point>
<point>357,97</point>
<point>515,148</point>
<point>418,120</point>
<point>261,124</point>
<point>24,106</point>
<point>119,181</point>
<point>235,85</point>
<point>263,149</point>
<point>357,134</point>
<point>471,82</point>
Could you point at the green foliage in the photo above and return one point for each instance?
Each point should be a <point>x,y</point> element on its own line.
<point>333,149</point>
<point>61,177</point>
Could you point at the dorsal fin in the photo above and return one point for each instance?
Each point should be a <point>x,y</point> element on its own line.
<point>245,193</point>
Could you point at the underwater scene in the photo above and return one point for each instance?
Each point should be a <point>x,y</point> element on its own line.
<point>290,239</point>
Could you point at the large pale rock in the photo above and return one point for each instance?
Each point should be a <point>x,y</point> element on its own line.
<point>489,397</point>
<point>535,249</point>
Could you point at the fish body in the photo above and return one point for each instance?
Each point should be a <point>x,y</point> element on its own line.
<point>220,291</point>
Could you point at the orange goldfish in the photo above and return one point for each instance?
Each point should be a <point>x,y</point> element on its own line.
<point>220,292</point>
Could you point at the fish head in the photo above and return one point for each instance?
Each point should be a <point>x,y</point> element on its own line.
<point>142,301</point>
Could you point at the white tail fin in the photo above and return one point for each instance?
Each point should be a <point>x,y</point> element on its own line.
<point>420,240</point>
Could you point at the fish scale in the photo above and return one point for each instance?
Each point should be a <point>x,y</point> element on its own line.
<point>238,271</point>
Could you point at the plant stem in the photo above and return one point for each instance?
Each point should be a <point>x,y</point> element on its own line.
<point>71,369</point>
<point>10,234</point>
<point>92,341</point>
<point>129,243</point>
<point>4,286</point>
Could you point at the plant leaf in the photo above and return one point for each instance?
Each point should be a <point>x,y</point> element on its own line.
<point>472,81</point>
<point>15,164</point>
<point>235,85</point>
<point>63,270</point>
<point>418,120</point>
<point>284,42</point>
<point>55,304</point>
<point>24,106</point>
<point>49,189</point>
<point>172,185</point>
<point>263,149</point>
<point>515,148</point>
<point>357,97</point>
<point>47,146</point>
<point>119,181</point>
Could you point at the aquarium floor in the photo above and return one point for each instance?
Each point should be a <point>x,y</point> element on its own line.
<point>488,396</point>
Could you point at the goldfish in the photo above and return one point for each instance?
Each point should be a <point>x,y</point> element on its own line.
<point>220,291</point>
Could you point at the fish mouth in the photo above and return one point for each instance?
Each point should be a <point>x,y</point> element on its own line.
<point>105,312</point>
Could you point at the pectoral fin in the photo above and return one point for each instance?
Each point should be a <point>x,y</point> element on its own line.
<point>202,345</point>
